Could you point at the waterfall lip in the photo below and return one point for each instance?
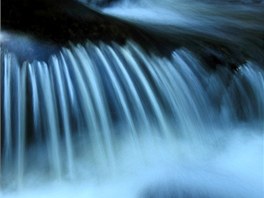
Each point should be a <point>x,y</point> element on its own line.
<point>77,23</point>
<point>26,48</point>
<point>234,26</point>
<point>53,28</point>
<point>29,49</point>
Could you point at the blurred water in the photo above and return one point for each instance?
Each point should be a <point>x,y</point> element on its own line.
<point>133,124</point>
<point>236,23</point>
<point>105,120</point>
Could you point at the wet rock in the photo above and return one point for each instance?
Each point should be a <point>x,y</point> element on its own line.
<point>61,21</point>
<point>57,23</point>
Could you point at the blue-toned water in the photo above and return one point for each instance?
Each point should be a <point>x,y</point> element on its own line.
<point>110,120</point>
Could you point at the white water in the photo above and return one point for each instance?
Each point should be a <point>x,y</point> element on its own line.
<point>113,121</point>
<point>236,23</point>
<point>232,172</point>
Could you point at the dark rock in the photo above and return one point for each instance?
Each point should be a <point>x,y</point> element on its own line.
<point>60,21</point>
<point>53,24</point>
<point>56,23</point>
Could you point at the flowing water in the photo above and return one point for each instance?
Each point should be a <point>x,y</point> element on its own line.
<point>105,120</point>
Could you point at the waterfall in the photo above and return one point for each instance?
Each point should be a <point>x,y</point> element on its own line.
<point>180,117</point>
<point>97,111</point>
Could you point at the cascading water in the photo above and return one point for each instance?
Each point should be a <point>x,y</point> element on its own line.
<point>87,105</point>
<point>110,120</point>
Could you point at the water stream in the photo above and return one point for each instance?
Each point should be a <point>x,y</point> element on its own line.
<point>105,120</point>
